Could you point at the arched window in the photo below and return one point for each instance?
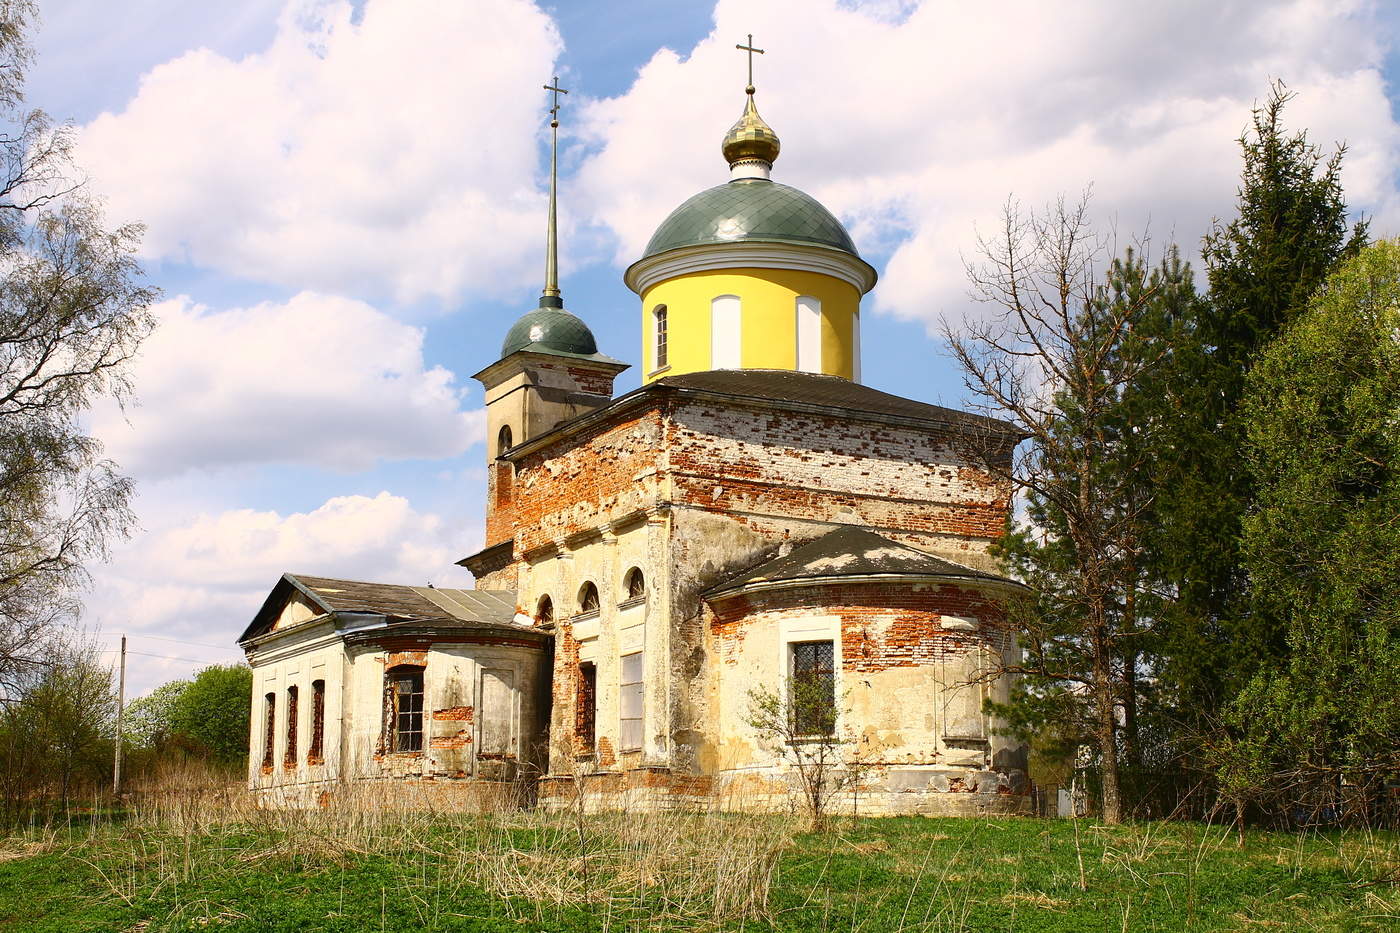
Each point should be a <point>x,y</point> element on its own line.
<point>544,611</point>
<point>809,335</point>
<point>503,440</point>
<point>725,332</point>
<point>588,598</point>
<point>636,584</point>
<point>658,315</point>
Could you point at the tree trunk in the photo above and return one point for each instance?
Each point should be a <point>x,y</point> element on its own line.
<point>1107,732</point>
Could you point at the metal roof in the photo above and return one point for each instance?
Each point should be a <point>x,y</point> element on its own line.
<point>750,209</point>
<point>487,608</point>
<point>852,551</point>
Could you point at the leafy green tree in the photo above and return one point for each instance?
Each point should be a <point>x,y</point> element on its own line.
<point>214,709</point>
<point>147,723</point>
<point>72,314</point>
<point>1289,233</point>
<point>1322,410</point>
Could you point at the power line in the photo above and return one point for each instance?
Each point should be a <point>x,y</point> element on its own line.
<point>181,641</point>
<point>164,657</point>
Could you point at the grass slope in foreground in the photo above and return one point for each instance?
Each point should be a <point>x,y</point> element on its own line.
<point>357,871</point>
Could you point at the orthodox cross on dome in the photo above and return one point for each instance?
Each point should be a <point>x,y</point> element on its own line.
<point>550,297</point>
<point>751,50</point>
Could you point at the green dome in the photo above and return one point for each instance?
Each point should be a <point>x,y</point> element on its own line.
<point>750,209</point>
<point>550,330</point>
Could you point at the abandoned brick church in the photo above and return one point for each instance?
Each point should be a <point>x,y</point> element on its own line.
<point>752,516</point>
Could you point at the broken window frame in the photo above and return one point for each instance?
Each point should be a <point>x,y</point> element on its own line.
<point>289,757</point>
<point>631,701</point>
<point>403,709</point>
<point>588,598</point>
<point>315,753</point>
<point>586,708</point>
<point>634,584</point>
<point>812,687</point>
<point>269,730</point>
<point>544,611</point>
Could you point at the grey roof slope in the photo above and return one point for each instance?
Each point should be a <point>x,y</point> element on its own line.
<point>826,391</point>
<point>852,551</point>
<point>419,603</point>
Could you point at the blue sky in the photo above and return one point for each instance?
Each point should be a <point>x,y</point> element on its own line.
<point>344,206</point>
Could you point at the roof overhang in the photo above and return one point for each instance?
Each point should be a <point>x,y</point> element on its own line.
<point>978,581</point>
<point>750,254</point>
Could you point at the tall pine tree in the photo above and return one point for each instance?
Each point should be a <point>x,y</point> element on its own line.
<point>1289,234</point>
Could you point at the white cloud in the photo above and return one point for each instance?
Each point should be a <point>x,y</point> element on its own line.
<point>915,124</point>
<point>316,380</point>
<point>201,580</point>
<point>389,152</point>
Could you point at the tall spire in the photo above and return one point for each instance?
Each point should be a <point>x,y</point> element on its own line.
<point>750,147</point>
<point>551,297</point>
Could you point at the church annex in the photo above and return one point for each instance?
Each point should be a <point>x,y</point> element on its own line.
<point>751,517</point>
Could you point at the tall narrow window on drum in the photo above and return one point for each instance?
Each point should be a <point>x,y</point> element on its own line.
<point>659,319</point>
<point>726,332</point>
<point>630,733</point>
<point>809,335</point>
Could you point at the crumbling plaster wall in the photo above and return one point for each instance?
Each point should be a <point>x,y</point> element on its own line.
<point>297,659</point>
<point>455,679</point>
<point>909,656</point>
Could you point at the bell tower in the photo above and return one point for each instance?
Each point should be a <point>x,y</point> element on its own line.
<point>549,372</point>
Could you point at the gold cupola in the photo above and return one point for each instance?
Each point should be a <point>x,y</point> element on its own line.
<point>750,147</point>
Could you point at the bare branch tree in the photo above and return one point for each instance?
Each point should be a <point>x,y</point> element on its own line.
<point>1054,360</point>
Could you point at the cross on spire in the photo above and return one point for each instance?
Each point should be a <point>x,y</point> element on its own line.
<point>751,50</point>
<point>554,110</point>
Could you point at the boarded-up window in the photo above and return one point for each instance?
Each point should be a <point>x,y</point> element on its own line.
<point>962,697</point>
<point>726,332</point>
<point>585,711</point>
<point>497,718</point>
<point>290,759</point>
<point>809,335</point>
<point>630,696</point>
<point>812,690</point>
<point>403,708</point>
<point>269,728</point>
<point>315,754</point>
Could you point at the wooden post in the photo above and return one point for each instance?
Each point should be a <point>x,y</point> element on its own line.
<point>121,708</point>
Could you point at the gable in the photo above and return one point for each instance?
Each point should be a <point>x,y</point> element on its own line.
<point>296,610</point>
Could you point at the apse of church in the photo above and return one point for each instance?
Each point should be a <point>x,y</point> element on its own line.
<point>751,514</point>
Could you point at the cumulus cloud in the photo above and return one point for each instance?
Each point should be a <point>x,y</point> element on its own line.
<point>378,151</point>
<point>317,380</point>
<point>200,580</point>
<point>915,123</point>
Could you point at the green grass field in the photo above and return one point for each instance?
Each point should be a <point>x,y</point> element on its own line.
<point>311,872</point>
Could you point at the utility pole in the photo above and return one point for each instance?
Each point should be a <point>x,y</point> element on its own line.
<point>121,708</point>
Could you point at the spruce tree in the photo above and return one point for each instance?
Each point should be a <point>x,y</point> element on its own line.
<point>1290,232</point>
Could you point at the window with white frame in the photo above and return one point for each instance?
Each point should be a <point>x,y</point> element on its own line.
<point>726,332</point>
<point>659,319</point>
<point>630,733</point>
<point>809,334</point>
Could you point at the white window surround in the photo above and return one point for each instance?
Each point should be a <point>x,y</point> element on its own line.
<point>809,334</point>
<point>809,628</point>
<point>726,332</point>
<point>855,347</point>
